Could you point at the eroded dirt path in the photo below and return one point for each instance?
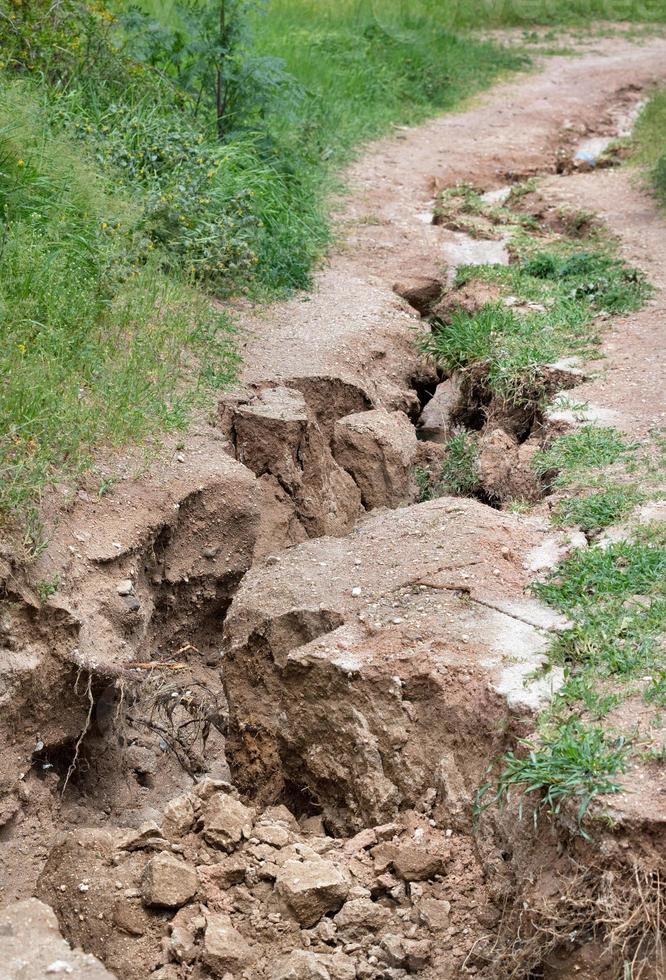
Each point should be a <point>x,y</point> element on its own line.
<point>268,683</point>
<point>352,320</point>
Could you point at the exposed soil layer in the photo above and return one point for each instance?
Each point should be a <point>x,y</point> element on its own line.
<point>251,695</point>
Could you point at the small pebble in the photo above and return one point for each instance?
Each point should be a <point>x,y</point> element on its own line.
<point>356,591</point>
<point>125,587</point>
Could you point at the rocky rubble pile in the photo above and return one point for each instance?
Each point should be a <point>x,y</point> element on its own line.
<point>221,890</point>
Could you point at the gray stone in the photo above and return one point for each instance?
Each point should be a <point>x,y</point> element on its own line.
<point>182,942</point>
<point>434,913</point>
<point>178,816</point>
<point>225,950</point>
<point>340,966</point>
<point>362,915</point>
<point>273,834</point>
<point>300,965</point>
<point>413,863</point>
<point>436,420</point>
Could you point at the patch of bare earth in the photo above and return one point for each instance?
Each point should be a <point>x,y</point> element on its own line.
<point>244,735</point>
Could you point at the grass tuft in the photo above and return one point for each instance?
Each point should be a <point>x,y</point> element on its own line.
<point>573,762</point>
<point>561,291</point>
<point>589,447</point>
<point>459,472</point>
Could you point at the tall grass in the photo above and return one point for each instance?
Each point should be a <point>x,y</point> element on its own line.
<point>98,347</point>
<point>650,137</point>
<point>460,14</point>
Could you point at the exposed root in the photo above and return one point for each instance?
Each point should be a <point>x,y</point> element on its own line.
<point>86,728</point>
<point>620,910</point>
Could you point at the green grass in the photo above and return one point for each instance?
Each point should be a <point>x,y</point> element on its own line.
<point>459,472</point>
<point>596,511</point>
<point>464,14</point>
<point>99,347</point>
<point>570,761</point>
<point>615,598</point>
<point>569,285</point>
<point>601,278</point>
<point>586,449</point>
<point>650,142</point>
<point>527,13</point>
<point>351,71</point>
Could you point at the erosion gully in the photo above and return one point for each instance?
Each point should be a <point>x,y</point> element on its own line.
<point>245,735</point>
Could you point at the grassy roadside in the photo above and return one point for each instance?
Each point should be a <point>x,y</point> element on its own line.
<point>551,302</point>
<point>122,211</point>
<point>650,143</point>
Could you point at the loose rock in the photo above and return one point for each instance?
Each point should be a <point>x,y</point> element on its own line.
<point>226,822</point>
<point>168,882</point>
<point>312,888</point>
<point>224,949</point>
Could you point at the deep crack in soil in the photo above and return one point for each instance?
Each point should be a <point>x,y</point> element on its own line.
<point>244,735</point>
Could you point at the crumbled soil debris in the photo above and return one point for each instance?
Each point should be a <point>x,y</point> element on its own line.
<point>220,887</point>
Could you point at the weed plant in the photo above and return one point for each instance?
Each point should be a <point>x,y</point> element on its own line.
<point>572,761</point>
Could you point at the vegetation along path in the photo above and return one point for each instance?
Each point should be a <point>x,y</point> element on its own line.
<point>368,679</point>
